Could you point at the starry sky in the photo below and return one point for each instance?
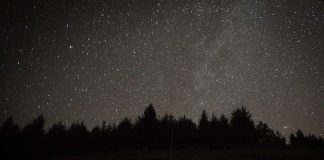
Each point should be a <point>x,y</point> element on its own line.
<point>97,60</point>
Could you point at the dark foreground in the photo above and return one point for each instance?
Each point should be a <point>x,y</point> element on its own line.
<point>287,154</point>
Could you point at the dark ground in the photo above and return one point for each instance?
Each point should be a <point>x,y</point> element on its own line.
<point>286,154</point>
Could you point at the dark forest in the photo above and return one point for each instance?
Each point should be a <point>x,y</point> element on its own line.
<point>150,133</point>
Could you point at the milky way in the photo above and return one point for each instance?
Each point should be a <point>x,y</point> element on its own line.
<point>104,60</point>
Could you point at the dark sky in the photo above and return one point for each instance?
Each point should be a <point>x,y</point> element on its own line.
<point>97,60</point>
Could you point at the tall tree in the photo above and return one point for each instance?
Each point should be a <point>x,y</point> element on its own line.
<point>147,128</point>
<point>243,128</point>
<point>203,129</point>
<point>214,132</point>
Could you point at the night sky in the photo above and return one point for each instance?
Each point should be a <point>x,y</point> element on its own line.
<point>104,60</point>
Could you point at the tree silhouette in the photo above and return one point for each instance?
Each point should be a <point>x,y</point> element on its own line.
<point>33,135</point>
<point>224,132</point>
<point>148,132</point>
<point>214,132</point>
<point>56,138</point>
<point>243,129</point>
<point>36,128</point>
<point>146,128</point>
<point>166,131</point>
<point>184,133</point>
<point>299,140</point>
<point>267,137</point>
<point>78,138</point>
<point>10,137</point>
<point>124,133</point>
<point>203,128</point>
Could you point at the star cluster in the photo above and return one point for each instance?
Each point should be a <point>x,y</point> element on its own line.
<point>104,60</point>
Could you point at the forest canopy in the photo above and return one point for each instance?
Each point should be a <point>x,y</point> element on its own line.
<point>148,132</point>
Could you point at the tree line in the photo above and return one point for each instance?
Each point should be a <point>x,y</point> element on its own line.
<point>147,132</point>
